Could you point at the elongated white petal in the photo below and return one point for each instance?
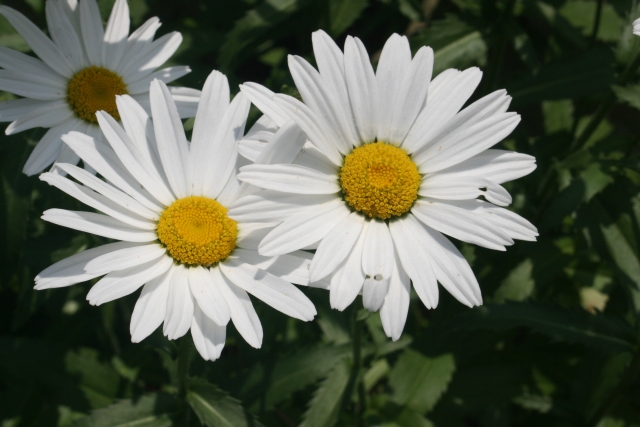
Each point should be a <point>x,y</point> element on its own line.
<point>362,87</point>
<point>415,259</point>
<point>64,35</point>
<point>336,246</point>
<point>322,102</point>
<point>509,222</point>
<point>460,223</point>
<point>16,61</point>
<point>273,206</point>
<point>308,227</point>
<point>209,298</point>
<point>243,315</point>
<point>251,234</point>
<point>284,146</point>
<point>46,116</point>
<point>48,148</point>
<point>151,307</point>
<point>15,108</point>
<point>115,35</point>
<point>39,43</point>
<point>105,161</point>
<point>262,98</point>
<point>98,224</point>
<point>377,255</point>
<point>92,30</point>
<point>31,86</point>
<point>66,156</point>
<point>314,126</point>
<point>97,201</point>
<point>440,81</point>
<point>137,42</point>
<point>292,267</point>
<point>348,279</point>
<point>177,320</point>
<point>208,337</point>
<point>71,270</point>
<point>272,290</point>
<point>290,179</point>
<point>172,142</point>
<point>394,310</point>
<point>312,158</point>
<point>120,283</point>
<point>451,187</point>
<point>152,56</point>
<point>218,159</point>
<point>442,106</point>
<point>373,293</point>
<point>124,258</point>
<point>166,75</point>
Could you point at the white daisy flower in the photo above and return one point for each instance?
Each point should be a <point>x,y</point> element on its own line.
<point>166,202</point>
<point>81,70</point>
<point>636,27</point>
<point>393,164</point>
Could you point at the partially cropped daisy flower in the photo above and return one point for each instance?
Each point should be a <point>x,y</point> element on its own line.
<point>636,27</point>
<point>81,70</point>
<point>166,202</point>
<point>393,165</point>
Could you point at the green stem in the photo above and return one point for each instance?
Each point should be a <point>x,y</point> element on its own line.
<point>626,381</point>
<point>493,72</point>
<point>596,22</point>
<point>355,379</point>
<point>183,361</point>
<point>605,105</point>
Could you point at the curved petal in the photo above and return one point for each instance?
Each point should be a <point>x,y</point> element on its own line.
<point>394,310</point>
<point>290,179</point>
<point>348,279</point>
<point>127,257</point>
<point>151,307</point>
<point>180,305</point>
<point>92,30</point>
<point>115,35</point>
<point>208,337</point>
<point>209,298</point>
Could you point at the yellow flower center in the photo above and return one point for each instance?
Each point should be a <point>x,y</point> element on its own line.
<point>94,89</point>
<point>197,231</point>
<point>379,180</point>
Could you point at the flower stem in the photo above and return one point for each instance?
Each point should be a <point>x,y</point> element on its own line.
<point>183,361</point>
<point>355,379</point>
<point>596,22</point>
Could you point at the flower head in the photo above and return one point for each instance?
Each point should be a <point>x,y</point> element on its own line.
<point>81,70</point>
<point>393,163</point>
<point>166,201</point>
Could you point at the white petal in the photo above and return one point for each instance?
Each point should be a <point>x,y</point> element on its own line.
<point>138,41</point>
<point>31,86</point>
<point>442,106</point>
<point>14,109</point>
<point>312,158</point>
<point>272,206</point>
<point>172,142</point>
<point>64,34</point>
<point>243,315</point>
<point>292,267</point>
<point>377,255</point>
<point>272,290</point>
<point>262,98</point>
<point>290,179</point>
<point>118,284</point>
<point>348,279</point>
<point>452,270</point>
<point>66,156</point>
<point>460,146</point>
<point>97,201</point>
<point>166,75</point>
<point>362,87</point>
<point>48,149</point>
<point>115,35</point>
<point>131,157</point>
<point>509,222</point>
<point>98,224</point>
<point>39,43</point>
<point>313,125</point>
<point>17,61</point>
<point>152,56</point>
<point>92,30</point>
<point>394,310</point>
<point>105,161</point>
<point>128,257</point>
<point>151,307</point>
<point>71,270</point>
<point>180,305</point>
<point>46,116</point>
<point>217,158</point>
<point>208,337</point>
<point>336,246</point>
<point>391,74</point>
<point>284,146</point>
<point>373,293</point>
<point>451,187</point>
<point>211,110</point>
<point>251,234</point>
<point>454,220</point>
<point>308,227</point>
<point>322,102</point>
<point>209,298</point>
<point>440,81</point>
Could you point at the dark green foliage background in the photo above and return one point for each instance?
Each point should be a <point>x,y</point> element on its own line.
<point>557,342</point>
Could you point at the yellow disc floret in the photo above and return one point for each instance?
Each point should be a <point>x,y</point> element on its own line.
<point>94,89</point>
<point>197,231</point>
<point>379,180</point>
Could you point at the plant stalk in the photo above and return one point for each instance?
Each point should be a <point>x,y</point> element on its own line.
<point>596,22</point>
<point>183,360</point>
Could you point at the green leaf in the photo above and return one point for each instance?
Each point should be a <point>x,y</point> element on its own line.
<point>455,44</point>
<point>581,14</point>
<point>151,410</point>
<point>215,408</point>
<point>584,75</point>
<point>324,408</point>
<point>628,94</point>
<point>518,285</point>
<point>343,13</point>
<point>578,326</point>
<point>99,381</point>
<point>418,381</point>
